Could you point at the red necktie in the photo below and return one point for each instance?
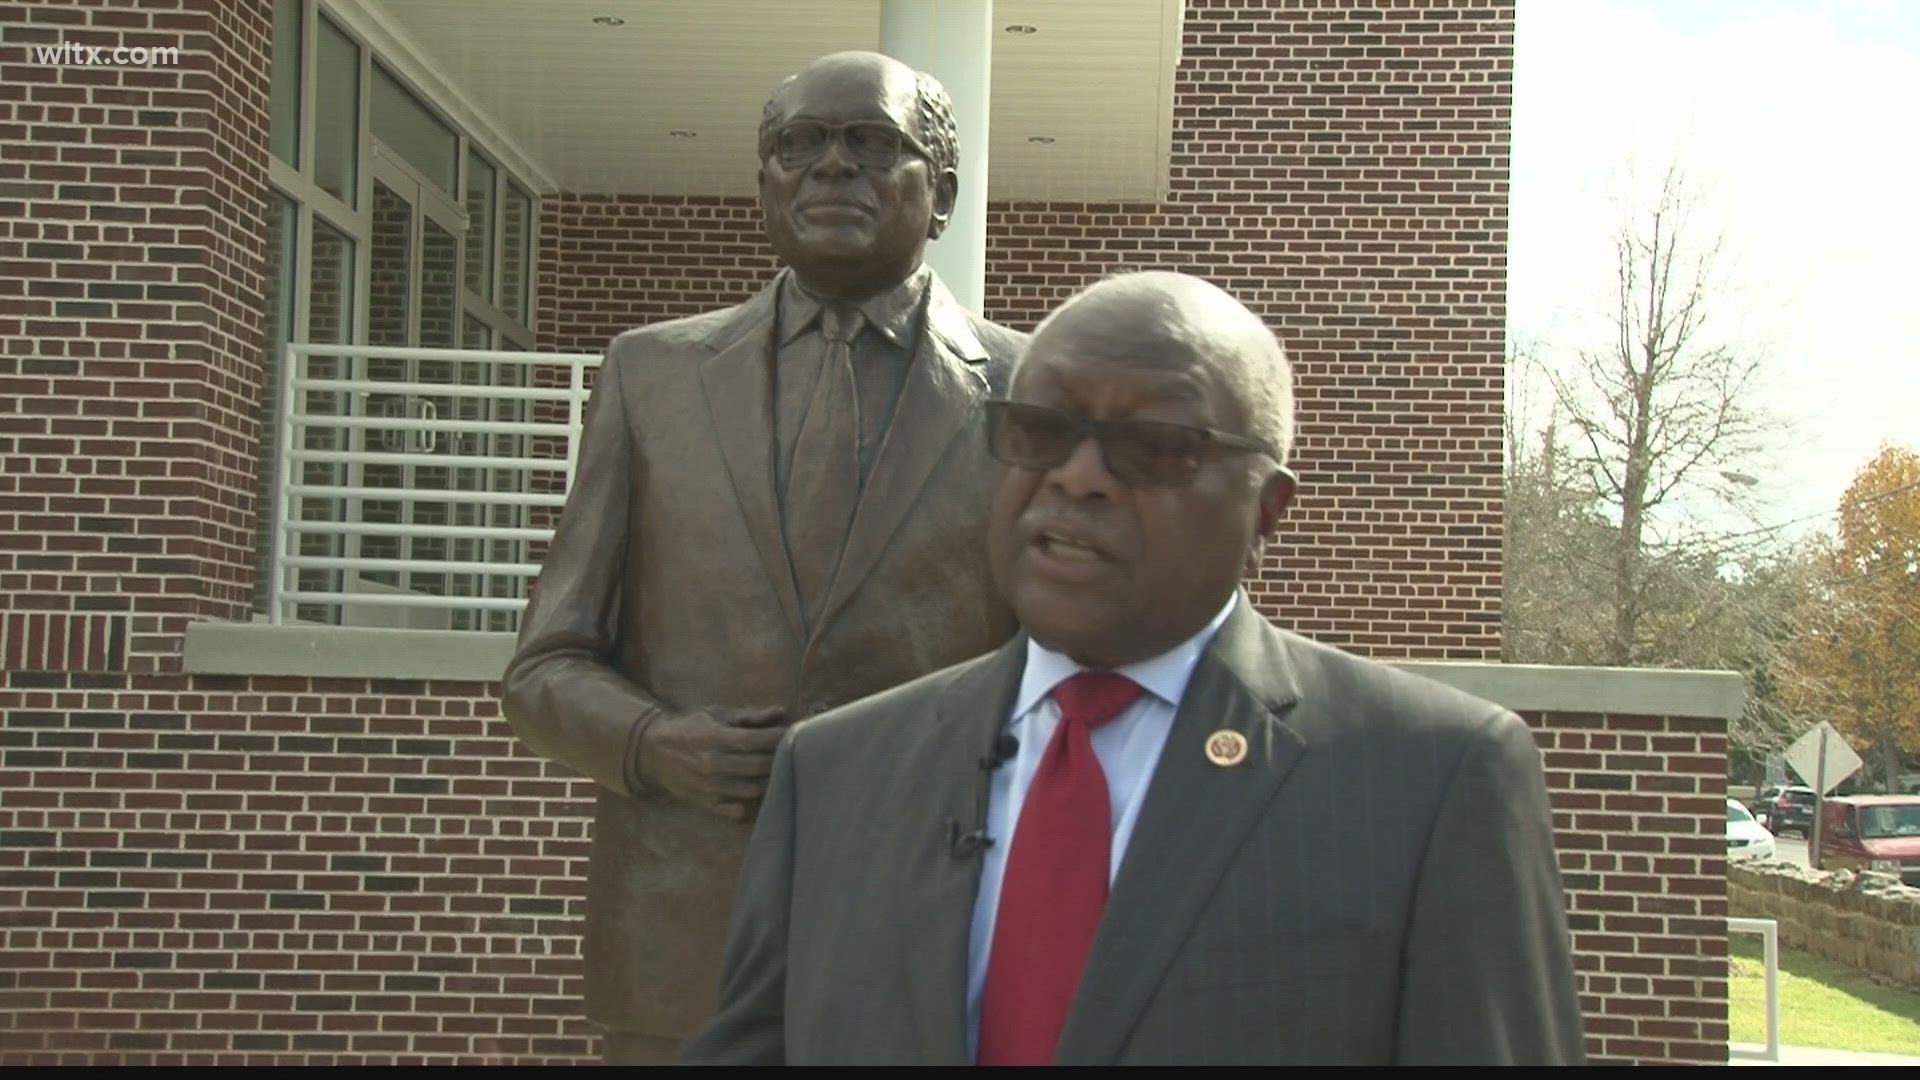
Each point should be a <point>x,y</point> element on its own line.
<point>1055,886</point>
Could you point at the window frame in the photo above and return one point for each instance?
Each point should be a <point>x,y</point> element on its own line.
<point>313,205</point>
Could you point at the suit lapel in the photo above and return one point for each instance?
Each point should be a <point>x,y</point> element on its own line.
<point>936,402</point>
<point>970,717</point>
<point>737,383</point>
<point>1195,819</point>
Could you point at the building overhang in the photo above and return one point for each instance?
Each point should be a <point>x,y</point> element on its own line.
<point>647,96</point>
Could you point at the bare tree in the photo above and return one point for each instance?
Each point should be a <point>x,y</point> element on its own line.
<point>1556,545</point>
<point>1665,407</point>
<point>1726,602</point>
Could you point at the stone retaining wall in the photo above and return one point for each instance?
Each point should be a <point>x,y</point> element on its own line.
<point>1868,921</point>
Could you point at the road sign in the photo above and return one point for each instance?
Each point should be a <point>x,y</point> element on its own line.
<point>1776,771</point>
<point>1804,757</point>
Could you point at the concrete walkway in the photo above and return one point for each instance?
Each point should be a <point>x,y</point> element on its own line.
<point>1813,1055</point>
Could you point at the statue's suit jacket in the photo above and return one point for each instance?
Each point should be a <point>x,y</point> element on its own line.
<point>668,585</point>
<point>1374,883</point>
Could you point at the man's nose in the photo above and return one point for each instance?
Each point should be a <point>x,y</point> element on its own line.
<point>1084,474</point>
<point>833,160</point>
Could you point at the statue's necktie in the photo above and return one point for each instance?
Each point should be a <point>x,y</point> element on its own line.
<point>1055,888</point>
<point>825,475</point>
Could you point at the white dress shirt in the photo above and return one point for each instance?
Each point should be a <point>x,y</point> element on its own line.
<point>1128,747</point>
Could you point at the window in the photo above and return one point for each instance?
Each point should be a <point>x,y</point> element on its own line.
<point>330,321</point>
<point>336,114</point>
<point>1880,822</point>
<point>408,476</point>
<point>439,287</point>
<point>286,80</point>
<point>481,193</point>
<point>390,277</point>
<point>411,130</point>
<point>282,226</point>
<point>283,222</point>
<point>516,249</point>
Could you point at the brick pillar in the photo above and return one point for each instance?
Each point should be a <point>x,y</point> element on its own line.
<point>132,255</point>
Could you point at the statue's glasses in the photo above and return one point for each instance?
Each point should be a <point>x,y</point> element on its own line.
<point>1134,451</point>
<point>870,144</point>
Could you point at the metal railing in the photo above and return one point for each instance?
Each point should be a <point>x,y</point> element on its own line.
<point>1769,932</point>
<point>415,485</point>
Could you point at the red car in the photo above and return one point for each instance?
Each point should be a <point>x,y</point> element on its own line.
<point>1872,832</point>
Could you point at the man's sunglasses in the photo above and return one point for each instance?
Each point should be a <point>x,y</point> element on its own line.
<point>870,144</point>
<point>1135,451</point>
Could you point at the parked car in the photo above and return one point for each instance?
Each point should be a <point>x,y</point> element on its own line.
<point>1746,838</point>
<point>1872,832</point>
<point>1785,809</point>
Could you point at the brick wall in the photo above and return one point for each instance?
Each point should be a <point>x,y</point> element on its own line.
<point>132,252</point>
<point>1639,807</point>
<point>609,263</point>
<point>345,871</point>
<point>282,870</point>
<point>1342,169</point>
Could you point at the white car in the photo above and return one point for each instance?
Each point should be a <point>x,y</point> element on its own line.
<point>1746,838</point>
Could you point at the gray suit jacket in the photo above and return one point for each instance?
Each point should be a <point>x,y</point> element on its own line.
<point>1375,883</point>
<point>668,587</point>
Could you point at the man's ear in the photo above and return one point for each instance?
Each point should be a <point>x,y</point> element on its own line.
<point>1275,496</point>
<point>946,192</point>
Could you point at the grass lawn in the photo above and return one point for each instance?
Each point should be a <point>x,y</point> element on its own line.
<point>1822,1003</point>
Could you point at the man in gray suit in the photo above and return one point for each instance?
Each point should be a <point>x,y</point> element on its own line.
<point>1151,829</point>
<point>779,508</point>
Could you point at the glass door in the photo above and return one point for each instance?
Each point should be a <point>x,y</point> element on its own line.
<point>413,301</point>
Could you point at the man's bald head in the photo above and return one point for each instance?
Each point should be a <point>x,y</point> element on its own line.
<point>1158,317</point>
<point>1136,495</point>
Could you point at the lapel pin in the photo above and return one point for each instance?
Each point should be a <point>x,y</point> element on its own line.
<point>1226,748</point>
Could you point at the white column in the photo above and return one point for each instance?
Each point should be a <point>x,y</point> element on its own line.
<point>952,40</point>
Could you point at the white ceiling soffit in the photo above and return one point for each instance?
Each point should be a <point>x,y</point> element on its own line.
<point>582,106</point>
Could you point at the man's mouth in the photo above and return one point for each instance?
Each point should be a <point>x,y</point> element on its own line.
<point>840,205</point>
<point>1067,548</point>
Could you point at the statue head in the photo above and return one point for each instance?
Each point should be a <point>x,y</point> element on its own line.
<point>858,156</point>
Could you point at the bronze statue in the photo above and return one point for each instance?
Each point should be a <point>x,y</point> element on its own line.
<point>780,507</point>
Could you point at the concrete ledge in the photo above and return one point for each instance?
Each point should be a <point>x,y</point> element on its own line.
<point>1627,691</point>
<point>349,652</point>
<point>367,653</point>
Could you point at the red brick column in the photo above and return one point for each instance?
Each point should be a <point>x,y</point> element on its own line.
<point>132,252</point>
<point>1639,808</point>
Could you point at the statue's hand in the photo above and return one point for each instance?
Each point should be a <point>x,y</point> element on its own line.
<point>717,759</point>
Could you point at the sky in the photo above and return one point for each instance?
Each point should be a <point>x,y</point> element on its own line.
<point>1801,123</point>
